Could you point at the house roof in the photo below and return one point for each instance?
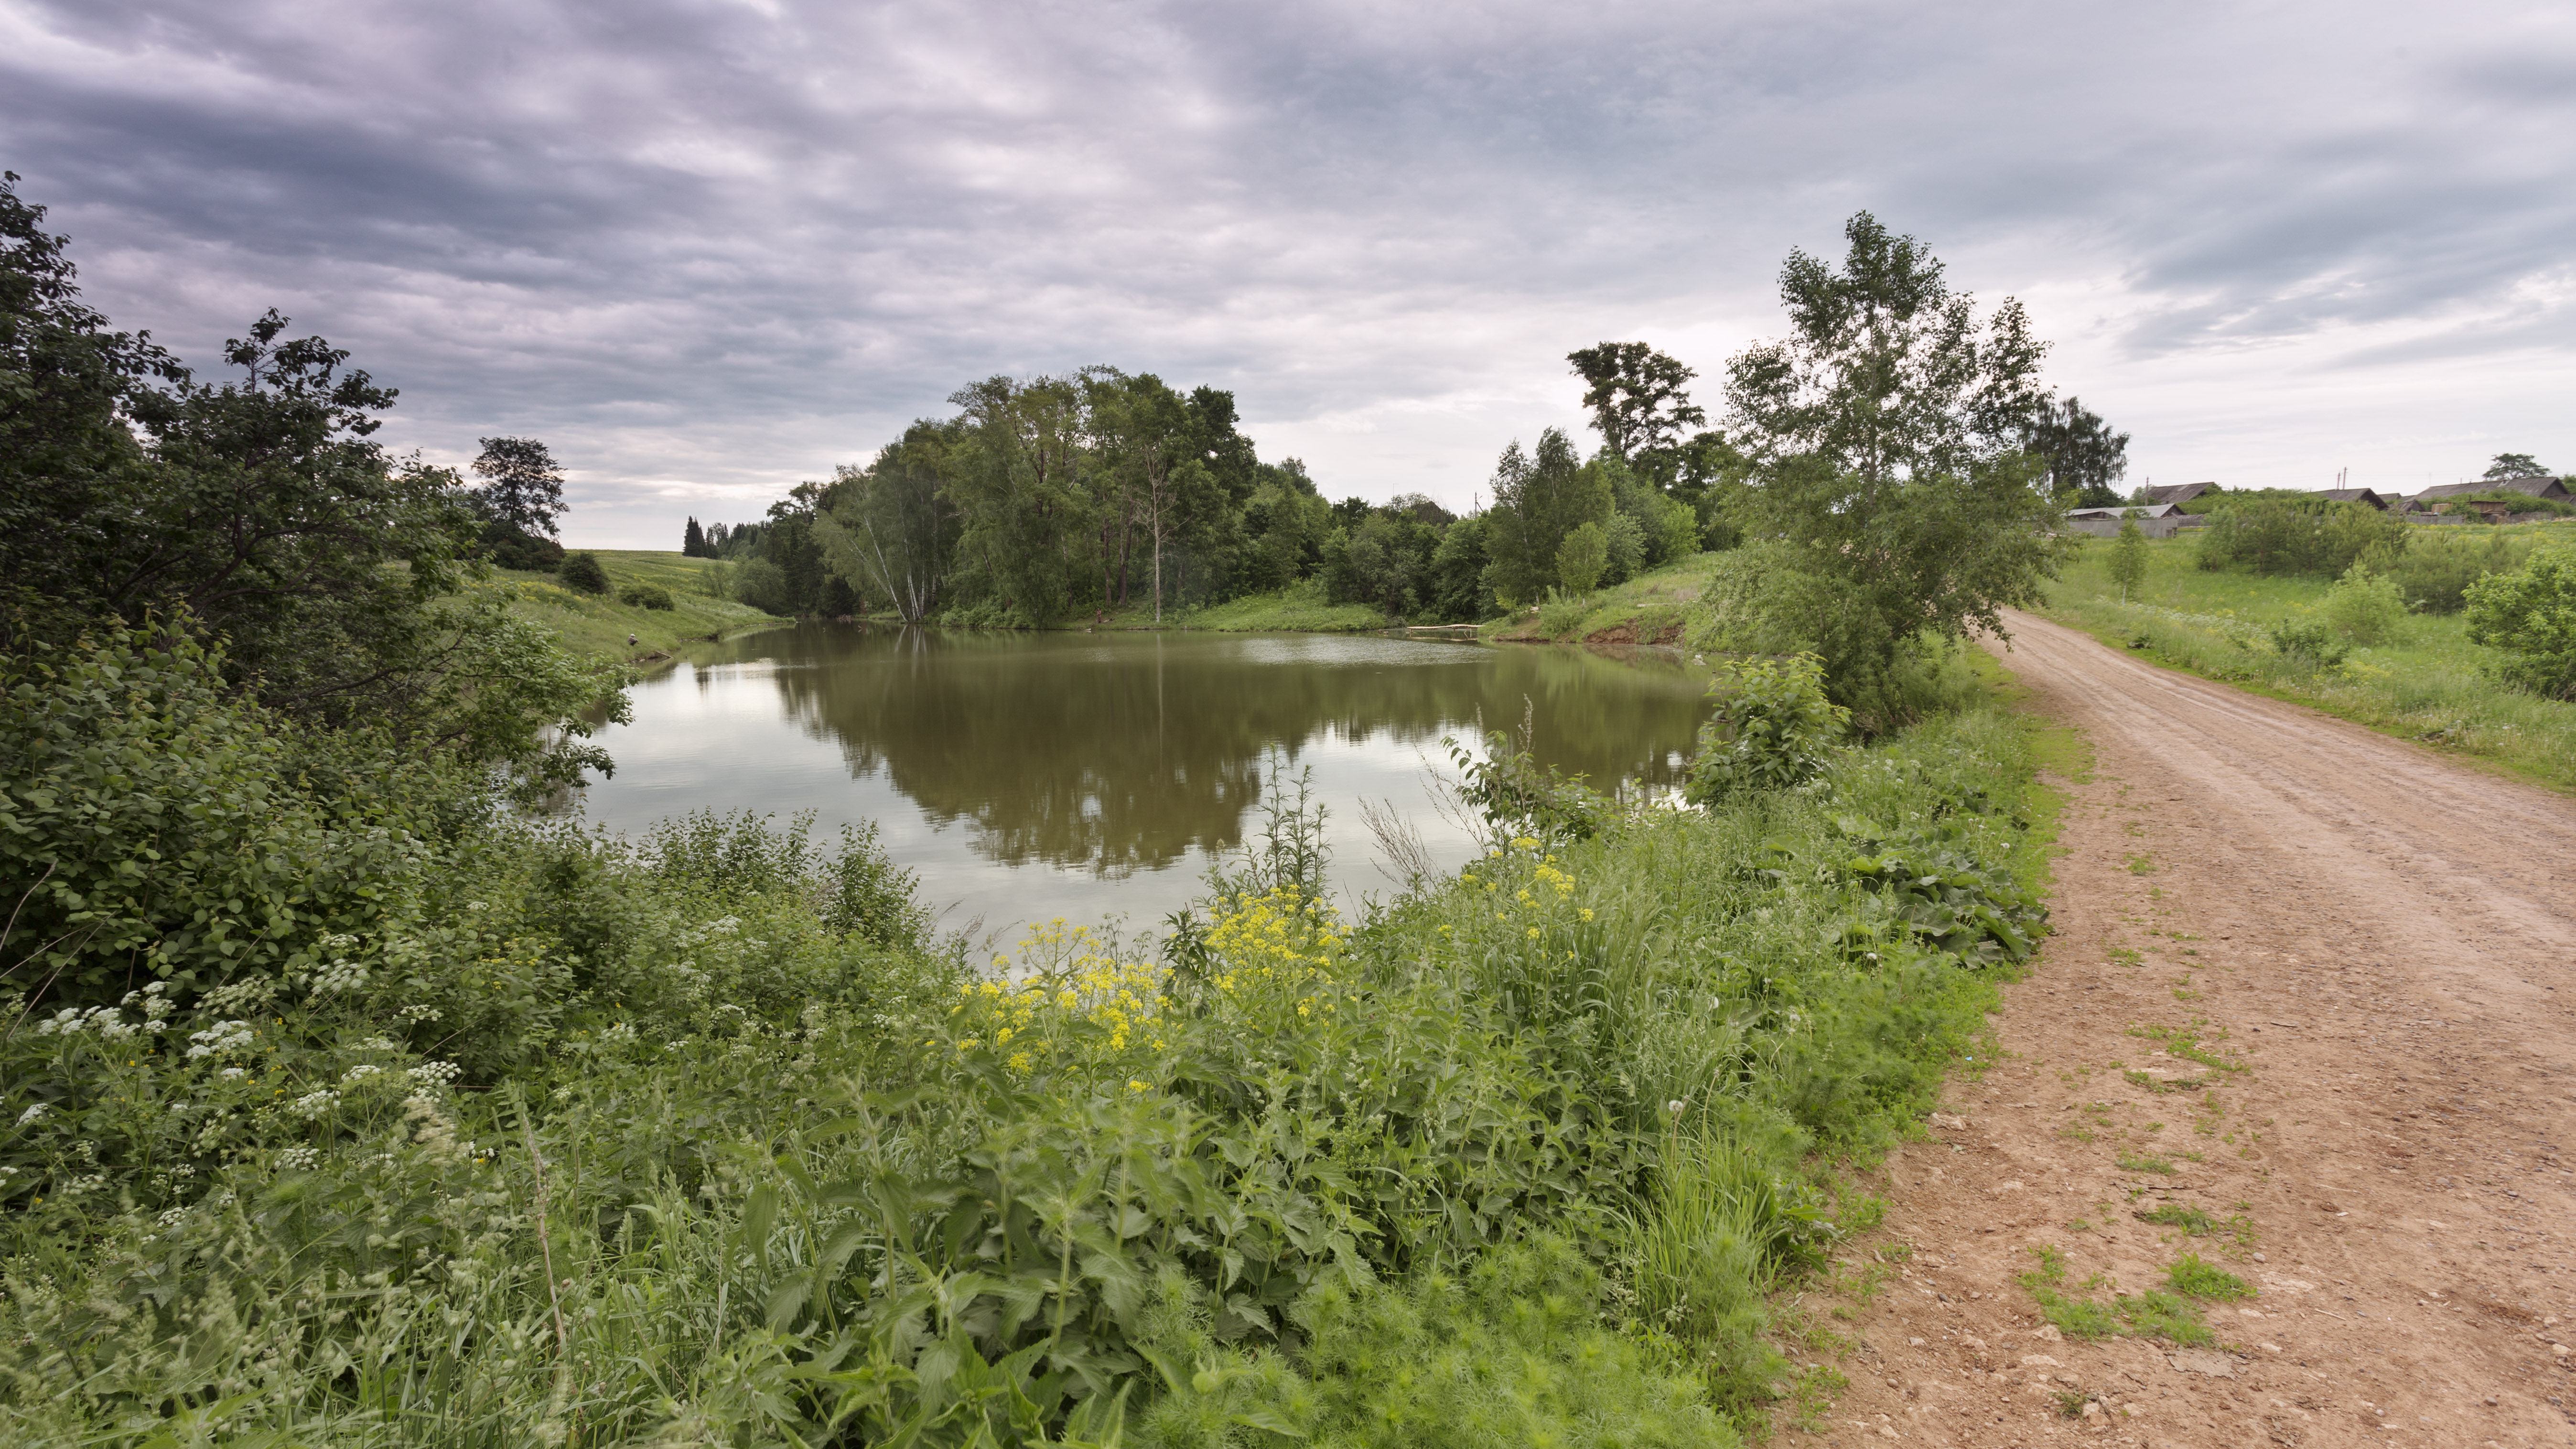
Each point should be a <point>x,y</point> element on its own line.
<point>2179,492</point>
<point>2536,487</point>
<point>2355,495</point>
<point>2143,510</point>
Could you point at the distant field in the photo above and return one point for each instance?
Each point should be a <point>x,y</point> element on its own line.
<point>2424,685</point>
<point>597,624</point>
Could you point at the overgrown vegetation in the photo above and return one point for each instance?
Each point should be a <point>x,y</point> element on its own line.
<point>347,1103</point>
<point>2301,637</point>
<point>313,1160</point>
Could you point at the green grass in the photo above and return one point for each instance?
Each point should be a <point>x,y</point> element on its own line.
<point>2425,684</point>
<point>2193,1278</point>
<point>2174,1215</point>
<point>597,624</point>
<point>1298,609</point>
<point>2145,1315</point>
<point>1644,610</point>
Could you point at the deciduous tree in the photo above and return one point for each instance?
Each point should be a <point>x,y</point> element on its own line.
<point>1637,396</point>
<point>1888,436</point>
<point>522,485</point>
<point>2083,456</point>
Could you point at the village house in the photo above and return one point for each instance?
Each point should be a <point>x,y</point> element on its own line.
<point>2155,520</point>
<point>2436,499</point>
<point>2179,494</point>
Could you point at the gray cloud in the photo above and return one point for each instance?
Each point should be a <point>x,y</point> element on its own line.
<point>707,249</point>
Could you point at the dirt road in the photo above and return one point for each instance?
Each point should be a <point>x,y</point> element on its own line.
<point>2314,985</point>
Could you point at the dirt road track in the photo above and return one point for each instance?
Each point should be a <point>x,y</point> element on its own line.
<point>2379,947</point>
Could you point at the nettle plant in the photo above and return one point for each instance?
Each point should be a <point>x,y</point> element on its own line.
<point>1774,729</point>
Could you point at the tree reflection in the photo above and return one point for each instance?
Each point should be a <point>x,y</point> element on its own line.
<point>1124,751</point>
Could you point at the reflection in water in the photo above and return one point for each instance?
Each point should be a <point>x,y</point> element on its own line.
<point>1071,759</point>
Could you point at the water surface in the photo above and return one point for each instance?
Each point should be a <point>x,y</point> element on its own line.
<point>1026,776</point>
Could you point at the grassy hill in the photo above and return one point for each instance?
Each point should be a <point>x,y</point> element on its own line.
<point>598,624</point>
<point>1647,609</point>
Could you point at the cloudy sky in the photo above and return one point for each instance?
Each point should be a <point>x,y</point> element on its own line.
<point>706,248</point>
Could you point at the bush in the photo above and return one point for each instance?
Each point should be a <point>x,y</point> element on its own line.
<point>2312,645</point>
<point>645,596</point>
<point>2365,608</point>
<point>1774,729</point>
<point>2299,536</point>
<point>1582,558</point>
<point>512,548</point>
<point>2439,564</point>
<point>582,571</point>
<point>156,825</point>
<point>1627,544</point>
<point>2531,616</point>
<point>763,585</point>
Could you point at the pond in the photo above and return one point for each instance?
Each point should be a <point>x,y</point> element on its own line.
<point>1028,776</point>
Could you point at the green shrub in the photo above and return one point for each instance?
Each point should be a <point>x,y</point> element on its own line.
<point>645,596</point>
<point>1562,613</point>
<point>1582,557</point>
<point>1774,729</point>
<point>2129,555</point>
<point>2439,564</point>
<point>510,547</point>
<point>2531,616</point>
<point>2311,645</point>
<point>582,572</point>
<point>2298,536</point>
<point>1625,547</point>
<point>1518,797</point>
<point>156,824</point>
<point>2365,608</point>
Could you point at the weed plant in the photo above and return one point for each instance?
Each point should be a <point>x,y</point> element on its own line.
<point>343,1106</point>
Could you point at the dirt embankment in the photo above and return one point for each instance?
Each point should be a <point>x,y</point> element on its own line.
<point>2328,979</point>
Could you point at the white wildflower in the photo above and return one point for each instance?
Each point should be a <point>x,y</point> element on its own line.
<point>314,1104</point>
<point>435,1074</point>
<point>34,1112</point>
<point>299,1159</point>
<point>222,1037</point>
<point>232,1074</point>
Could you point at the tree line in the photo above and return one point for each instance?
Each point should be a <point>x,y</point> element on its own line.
<point>1042,499</point>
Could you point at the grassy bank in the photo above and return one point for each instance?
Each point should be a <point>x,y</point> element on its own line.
<point>1297,609</point>
<point>506,1133</point>
<point>1648,609</point>
<point>597,624</point>
<point>2423,684</point>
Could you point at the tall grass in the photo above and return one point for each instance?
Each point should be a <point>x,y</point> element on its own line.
<point>2424,682</point>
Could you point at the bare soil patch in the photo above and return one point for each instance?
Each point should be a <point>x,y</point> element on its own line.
<point>2309,983</point>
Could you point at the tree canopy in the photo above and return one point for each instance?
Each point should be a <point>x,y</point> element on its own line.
<point>328,580</point>
<point>2083,456</point>
<point>1889,439</point>
<point>522,486</point>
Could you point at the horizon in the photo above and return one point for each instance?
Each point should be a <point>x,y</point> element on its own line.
<point>708,254</point>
